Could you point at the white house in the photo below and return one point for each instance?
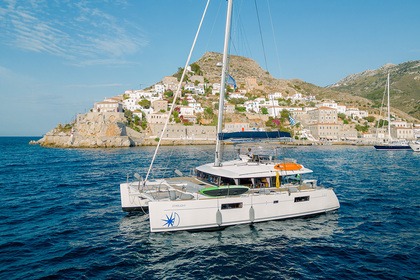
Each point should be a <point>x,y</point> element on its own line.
<point>329,104</point>
<point>159,88</point>
<point>196,107</point>
<point>107,106</point>
<point>296,97</point>
<point>276,95</point>
<point>131,104</point>
<point>199,90</point>
<point>355,113</point>
<point>402,124</point>
<point>215,88</point>
<point>186,110</point>
<point>237,95</point>
<point>309,98</point>
<point>341,109</point>
<point>252,106</point>
<point>190,87</point>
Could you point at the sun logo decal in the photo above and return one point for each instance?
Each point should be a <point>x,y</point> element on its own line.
<point>172,220</point>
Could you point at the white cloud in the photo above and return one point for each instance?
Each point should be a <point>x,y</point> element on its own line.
<point>75,31</point>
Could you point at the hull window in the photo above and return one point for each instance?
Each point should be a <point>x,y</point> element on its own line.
<point>232,205</point>
<point>301,198</point>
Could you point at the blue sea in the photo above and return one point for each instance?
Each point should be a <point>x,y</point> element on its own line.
<point>60,218</point>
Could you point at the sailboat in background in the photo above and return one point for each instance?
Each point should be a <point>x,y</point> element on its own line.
<point>256,186</point>
<point>389,143</point>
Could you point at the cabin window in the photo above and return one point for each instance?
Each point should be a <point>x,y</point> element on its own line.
<point>208,178</point>
<point>227,181</point>
<point>246,182</point>
<point>232,205</point>
<point>301,198</point>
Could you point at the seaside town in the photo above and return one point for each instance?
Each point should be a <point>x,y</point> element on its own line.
<point>137,117</point>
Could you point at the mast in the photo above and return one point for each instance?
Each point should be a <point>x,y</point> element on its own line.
<point>389,112</point>
<point>218,153</point>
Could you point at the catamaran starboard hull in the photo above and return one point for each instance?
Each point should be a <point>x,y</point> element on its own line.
<point>216,213</point>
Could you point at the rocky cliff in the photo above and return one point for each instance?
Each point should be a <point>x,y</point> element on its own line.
<point>91,130</point>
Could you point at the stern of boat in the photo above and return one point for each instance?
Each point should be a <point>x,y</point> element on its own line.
<point>131,198</point>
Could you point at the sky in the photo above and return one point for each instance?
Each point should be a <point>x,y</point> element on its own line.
<point>58,57</point>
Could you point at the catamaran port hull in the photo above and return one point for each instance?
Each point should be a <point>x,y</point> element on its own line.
<point>132,199</point>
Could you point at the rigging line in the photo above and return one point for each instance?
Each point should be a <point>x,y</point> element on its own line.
<point>177,92</point>
<point>380,112</point>
<point>274,37</point>
<point>214,24</point>
<point>240,35</point>
<point>262,41</point>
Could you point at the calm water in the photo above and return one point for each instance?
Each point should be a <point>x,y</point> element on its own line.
<point>60,218</point>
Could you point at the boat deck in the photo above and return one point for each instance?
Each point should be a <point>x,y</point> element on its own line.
<point>187,184</point>
<point>193,185</point>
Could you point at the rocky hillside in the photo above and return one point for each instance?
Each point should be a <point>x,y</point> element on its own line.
<point>242,67</point>
<point>350,91</point>
<point>370,84</point>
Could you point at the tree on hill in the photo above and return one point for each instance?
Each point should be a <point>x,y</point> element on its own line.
<point>240,108</point>
<point>178,74</point>
<point>145,103</point>
<point>264,111</point>
<point>381,123</point>
<point>196,69</point>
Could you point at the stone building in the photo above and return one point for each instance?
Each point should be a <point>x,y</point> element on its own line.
<point>160,106</point>
<point>108,106</point>
<point>236,126</point>
<point>323,123</point>
<point>182,132</point>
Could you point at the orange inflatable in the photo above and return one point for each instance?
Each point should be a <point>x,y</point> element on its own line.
<point>287,166</point>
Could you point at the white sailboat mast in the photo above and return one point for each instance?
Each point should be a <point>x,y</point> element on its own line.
<point>218,153</point>
<point>389,112</point>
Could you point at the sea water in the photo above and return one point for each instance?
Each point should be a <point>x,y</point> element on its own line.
<point>60,218</point>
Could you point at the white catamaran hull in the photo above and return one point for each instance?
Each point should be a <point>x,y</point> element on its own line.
<point>214,213</point>
<point>133,198</point>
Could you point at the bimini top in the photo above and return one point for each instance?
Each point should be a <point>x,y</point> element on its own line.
<point>251,134</point>
<point>241,168</point>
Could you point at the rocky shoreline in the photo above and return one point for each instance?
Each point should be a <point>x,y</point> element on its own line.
<point>105,130</point>
<point>108,130</point>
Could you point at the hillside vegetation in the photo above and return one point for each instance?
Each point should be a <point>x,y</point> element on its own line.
<point>404,86</point>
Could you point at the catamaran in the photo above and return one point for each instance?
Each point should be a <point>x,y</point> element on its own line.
<point>255,186</point>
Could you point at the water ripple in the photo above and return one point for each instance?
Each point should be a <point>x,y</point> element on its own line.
<point>60,217</point>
